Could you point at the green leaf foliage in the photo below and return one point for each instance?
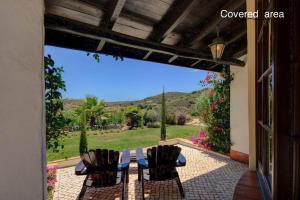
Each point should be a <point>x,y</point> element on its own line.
<point>134,117</point>
<point>54,104</point>
<point>215,109</point>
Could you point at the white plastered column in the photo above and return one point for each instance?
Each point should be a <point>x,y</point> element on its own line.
<point>22,141</point>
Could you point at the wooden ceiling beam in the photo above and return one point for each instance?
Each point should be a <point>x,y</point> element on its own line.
<point>175,15</point>
<point>212,23</point>
<point>237,54</point>
<point>133,42</point>
<point>114,9</point>
<point>196,62</point>
<point>240,53</point>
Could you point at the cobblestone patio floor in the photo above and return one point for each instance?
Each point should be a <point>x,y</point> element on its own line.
<point>206,176</point>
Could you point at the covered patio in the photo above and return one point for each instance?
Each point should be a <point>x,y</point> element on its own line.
<point>207,175</point>
<point>265,95</point>
<point>172,32</point>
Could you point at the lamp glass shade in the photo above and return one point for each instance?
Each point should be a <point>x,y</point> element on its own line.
<point>217,48</point>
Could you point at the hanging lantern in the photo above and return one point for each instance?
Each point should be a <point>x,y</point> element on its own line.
<point>217,47</point>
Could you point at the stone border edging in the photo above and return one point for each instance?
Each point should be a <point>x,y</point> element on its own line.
<point>190,144</point>
<point>70,162</point>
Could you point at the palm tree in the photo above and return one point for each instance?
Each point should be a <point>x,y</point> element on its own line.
<point>93,108</point>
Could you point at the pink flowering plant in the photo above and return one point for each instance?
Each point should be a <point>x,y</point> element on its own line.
<point>202,140</point>
<point>51,179</point>
<point>215,111</point>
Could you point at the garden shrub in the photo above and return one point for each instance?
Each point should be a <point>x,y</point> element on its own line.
<point>171,119</point>
<point>71,118</point>
<point>117,117</point>
<point>181,119</point>
<point>54,104</point>
<point>151,116</point>
<point>153,125</point>
<point>51,180</point>
<point>218,117</point>
<point>134,117</point>
<point>203,108</point>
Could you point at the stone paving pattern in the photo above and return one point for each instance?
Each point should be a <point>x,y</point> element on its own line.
<point>206,176</point>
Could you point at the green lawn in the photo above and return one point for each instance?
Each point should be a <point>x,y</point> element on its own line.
<point>118,141</point>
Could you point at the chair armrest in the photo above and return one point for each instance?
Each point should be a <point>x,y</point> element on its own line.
<point>80,169</point>
<point>125,160</point>
<point>181,161</point>
<point>141,159</point>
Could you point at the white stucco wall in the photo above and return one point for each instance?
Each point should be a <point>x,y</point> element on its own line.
<point>239,120</point>
<point>21,100</point>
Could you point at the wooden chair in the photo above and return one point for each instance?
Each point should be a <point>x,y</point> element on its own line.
<point>102,169</point>
<point>160,165</point>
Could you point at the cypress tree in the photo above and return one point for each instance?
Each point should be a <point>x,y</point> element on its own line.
<point>83,145</point>
<point>163,117</point>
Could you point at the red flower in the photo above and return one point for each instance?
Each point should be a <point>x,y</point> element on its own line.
<point>217,128</point>
<point>212,106</point>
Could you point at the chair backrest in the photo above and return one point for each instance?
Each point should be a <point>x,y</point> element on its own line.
<point>162,161</point>
<point>102,166</point>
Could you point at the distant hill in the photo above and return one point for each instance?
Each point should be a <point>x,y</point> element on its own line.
<point>175,101</point>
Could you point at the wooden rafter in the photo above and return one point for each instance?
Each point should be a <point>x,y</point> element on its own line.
<point>101,45</point>
<point>129,41</point>
<point>113,12</point>
<point>147,55</point>
<point>174,16</point>
<point>240,53</point>
<point>214,66</point>
<point>212,23</point>
<point>172,58</point>
<point>235,36</point>
<point>196,62</point>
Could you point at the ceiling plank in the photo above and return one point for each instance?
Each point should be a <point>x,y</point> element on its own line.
<point>175,15</point>
<point>212,23</point>
<point>113,12</point>
<point>132,42</point>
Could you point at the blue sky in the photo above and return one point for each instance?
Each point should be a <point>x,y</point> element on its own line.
<point>112,80</point>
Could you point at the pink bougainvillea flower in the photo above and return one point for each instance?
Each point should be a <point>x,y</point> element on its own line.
<point>51,175</point>
<point>207,78</point>
<point>202,134</point>
<point>195,140</point>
